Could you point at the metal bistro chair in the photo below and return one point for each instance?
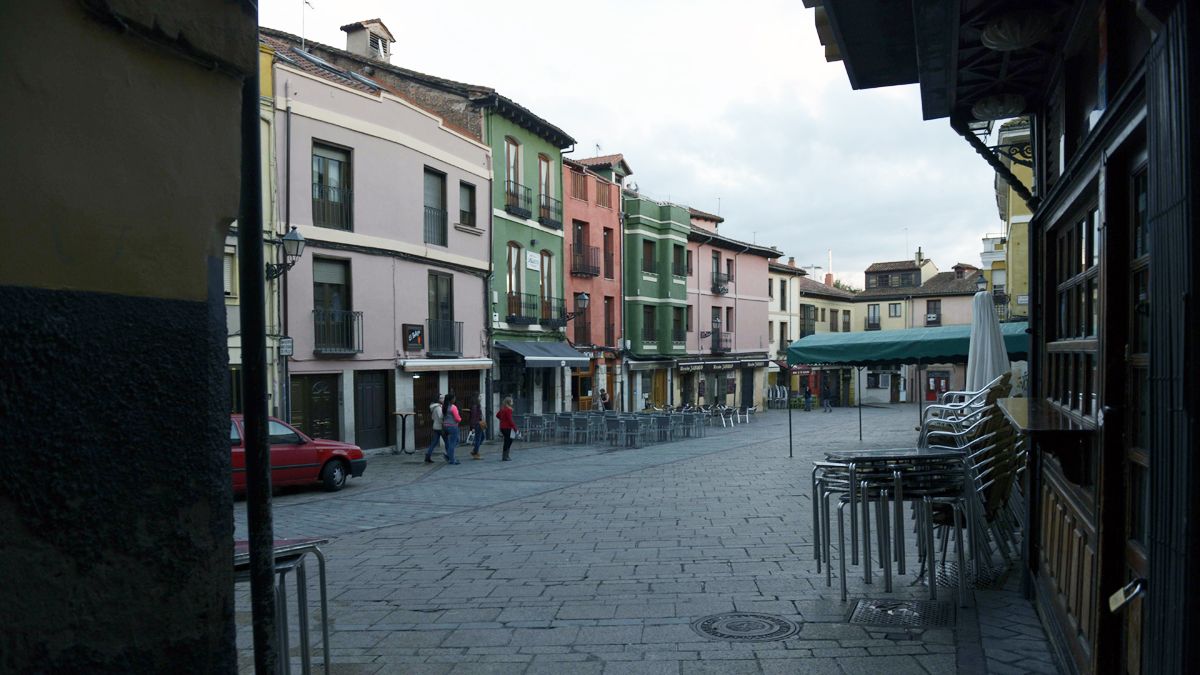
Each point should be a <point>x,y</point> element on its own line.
<point>661,427</point>
<point>581,429</point>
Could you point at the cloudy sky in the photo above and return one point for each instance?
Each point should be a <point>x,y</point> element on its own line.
<point>717,105</point>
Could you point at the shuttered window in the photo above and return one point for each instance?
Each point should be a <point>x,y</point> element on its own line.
<point>230,274</point>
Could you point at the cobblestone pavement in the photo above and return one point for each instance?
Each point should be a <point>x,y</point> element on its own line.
<point>589,560</point>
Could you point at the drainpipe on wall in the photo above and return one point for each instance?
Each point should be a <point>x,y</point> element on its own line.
<point>488,383</point>
<point>286,388</point>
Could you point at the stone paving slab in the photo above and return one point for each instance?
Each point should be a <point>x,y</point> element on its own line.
<point>593,560</point>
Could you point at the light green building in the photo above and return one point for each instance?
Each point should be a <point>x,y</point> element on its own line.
<point>656,267</point>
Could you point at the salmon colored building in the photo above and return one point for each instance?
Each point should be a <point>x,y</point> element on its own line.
<point>592,223</point>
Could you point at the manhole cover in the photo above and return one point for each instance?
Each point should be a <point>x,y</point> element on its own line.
<point>746,627</point>
<point>989,577</point>
<point>903,613</point>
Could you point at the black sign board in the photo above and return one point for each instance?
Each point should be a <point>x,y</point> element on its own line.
<point>414,337</point>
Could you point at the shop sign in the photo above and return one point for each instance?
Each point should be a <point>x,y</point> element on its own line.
<point>755,364</point>
<point>414,337</point>
<point>727,365</point>
<point>731,383</point>
<point>286,346</point>
<point>690,367</point>
<point>533,261</point>
<point>802,370</point>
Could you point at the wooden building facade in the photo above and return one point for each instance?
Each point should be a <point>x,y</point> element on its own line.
<point>1114,480</point>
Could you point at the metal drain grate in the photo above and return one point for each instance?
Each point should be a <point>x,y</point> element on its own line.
<point>746,627</point>
<point>988,579</point>
<point>903,613</point>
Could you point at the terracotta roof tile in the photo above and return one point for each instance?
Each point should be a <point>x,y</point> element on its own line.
<point>893,266</point>
<point>702,215</point>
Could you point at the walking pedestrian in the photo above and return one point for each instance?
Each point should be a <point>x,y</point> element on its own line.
<point>507,427</point>
<point>477,425</point>
<point>807,399</point>
<point>826,399</point>
<point>435,413</point>
<point>450,421</point>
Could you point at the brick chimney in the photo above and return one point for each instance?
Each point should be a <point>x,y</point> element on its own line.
<point>829,279</point>
<point>791,261</point>
<point>369,38</point>
<point>920,258</point>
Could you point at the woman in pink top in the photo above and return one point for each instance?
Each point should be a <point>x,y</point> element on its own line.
<point>450,421</point>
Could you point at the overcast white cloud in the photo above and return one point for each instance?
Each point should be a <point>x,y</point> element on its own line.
<point>710,100</point>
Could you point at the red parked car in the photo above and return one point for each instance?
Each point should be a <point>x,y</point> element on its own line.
<point>297,459</point>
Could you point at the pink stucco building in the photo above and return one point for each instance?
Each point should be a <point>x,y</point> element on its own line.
<point>386,306</point>
<point>727,300</point>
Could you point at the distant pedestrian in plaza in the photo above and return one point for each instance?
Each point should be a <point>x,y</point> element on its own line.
<point>477,425</point>
<point>450,421</point>
<point>603,399</point>
<point>435,413</point>
<point>807,399</point>
<point>507,427</point>
<point>826,399</point>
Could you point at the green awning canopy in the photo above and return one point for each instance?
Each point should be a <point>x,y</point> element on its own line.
<point>943,344</point>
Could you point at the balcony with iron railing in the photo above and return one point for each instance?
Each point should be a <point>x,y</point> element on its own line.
<point>722,343</point>
<point>870,323</point>
<point>525,309</point>
<point>610,335</point>
<point>337,331</point>
<point>518,199</point>
<point>679,335</point>
<point>435,226</point>
<point>445,338</point>
<point>582,331</point>
<point>550,211</point>
<point>585,261</point>
<point>720,282</point>
<point>332,207</point>
<point>679,268</point>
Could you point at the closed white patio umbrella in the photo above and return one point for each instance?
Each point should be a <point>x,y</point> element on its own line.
<point>986,356</point>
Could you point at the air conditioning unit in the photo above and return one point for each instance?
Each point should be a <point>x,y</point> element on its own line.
<point>932,317</point>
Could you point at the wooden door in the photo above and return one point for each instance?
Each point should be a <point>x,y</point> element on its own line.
<point>464,384</point>
<point>658,395</point>
<point>315,405</point>
<point>425,392</point>
<point>370,409</point>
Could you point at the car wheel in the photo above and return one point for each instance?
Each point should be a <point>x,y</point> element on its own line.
<point>334,476</point>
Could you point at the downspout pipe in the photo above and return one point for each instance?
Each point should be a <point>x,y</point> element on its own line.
<point>286,385</point>
<point>488,384</point>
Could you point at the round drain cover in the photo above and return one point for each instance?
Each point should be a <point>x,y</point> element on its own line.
<point>746,627</point>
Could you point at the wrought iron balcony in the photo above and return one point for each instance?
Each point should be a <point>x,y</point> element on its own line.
<point>679,334</point>
<point>445,337</point>
<point>585,261</point>
<point>518,199</point>
<point>337,331</point>
<point>435,226</point>
<point>527,308</point>
<point>583,331</point>
<point>649,334</point>
<point>332,207</point>
<point>720,282</point>
<point>679,269</point>
<point>610,335</point>
<point>466,218</point>
<point>550,212</point>
<point>722,343</point>
<point>871,324</point>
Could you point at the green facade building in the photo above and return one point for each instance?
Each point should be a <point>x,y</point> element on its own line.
<point>529,313</point>
<point>656,267</point>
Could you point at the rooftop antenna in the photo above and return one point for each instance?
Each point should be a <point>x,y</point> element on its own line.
<point>303,4</point>
<point>814,268</point>
<point>597,149</point>
<point>754,237</point>
<point>718,206</point>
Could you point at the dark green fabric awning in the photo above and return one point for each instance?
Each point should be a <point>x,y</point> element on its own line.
<point>943,344</point>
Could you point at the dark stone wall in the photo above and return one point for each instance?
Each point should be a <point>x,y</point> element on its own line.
<point>115,506</point>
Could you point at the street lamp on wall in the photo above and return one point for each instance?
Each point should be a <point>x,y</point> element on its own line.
<point>980,283</point>
<point>293,248</point>
<point>716,328</point>
<point>581,304</point>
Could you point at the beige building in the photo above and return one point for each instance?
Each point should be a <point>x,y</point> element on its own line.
<point>801,306</point>
<point>1005,256</point>
<point>914,294</point>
